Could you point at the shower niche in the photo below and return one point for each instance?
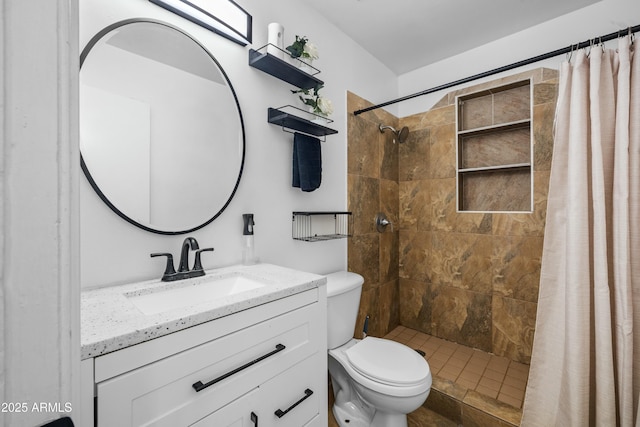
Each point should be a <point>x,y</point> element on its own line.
<point>494,149</point>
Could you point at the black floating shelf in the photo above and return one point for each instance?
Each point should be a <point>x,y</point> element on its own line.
<point>282,70</point>
<point>290,121</point>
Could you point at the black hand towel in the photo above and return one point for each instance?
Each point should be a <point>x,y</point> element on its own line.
<point>307,162</point>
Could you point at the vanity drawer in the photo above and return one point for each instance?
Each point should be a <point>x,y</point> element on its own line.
<point>293,398</point>
<point>238,413</point>
<point>294,395</point>
<point>163,393</point>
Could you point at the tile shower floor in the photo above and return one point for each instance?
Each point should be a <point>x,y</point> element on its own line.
<point>497,377</point>
<point>470,387</point>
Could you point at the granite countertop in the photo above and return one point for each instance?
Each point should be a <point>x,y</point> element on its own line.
<point>110,321</point>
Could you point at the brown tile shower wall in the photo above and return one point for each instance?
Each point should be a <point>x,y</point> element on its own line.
<point>373,187</point>
<point>471,278</point>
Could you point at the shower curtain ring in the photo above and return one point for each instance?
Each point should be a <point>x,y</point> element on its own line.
<point>570,53</point>
<point>590,47</point>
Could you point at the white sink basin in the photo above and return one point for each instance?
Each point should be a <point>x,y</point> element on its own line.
<point>192,292</point>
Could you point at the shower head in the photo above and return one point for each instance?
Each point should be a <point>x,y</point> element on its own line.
<point>401,135</point>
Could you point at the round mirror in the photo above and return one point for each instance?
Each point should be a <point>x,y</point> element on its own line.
<point>161,132</point>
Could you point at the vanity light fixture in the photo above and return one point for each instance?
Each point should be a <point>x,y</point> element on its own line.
<point>223,17</point>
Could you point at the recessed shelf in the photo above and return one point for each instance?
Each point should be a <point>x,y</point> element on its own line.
<point>505,190</point>
<point>320,225</point>
<point>289,117</point>
<point>494,168</point>
<point>494,149</point>
<point>519,124</point>
<point>282,69</point>
<point>497,147</point>
<point>504,104</point>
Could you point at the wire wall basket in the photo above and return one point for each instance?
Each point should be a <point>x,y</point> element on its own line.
<point>319,226</point>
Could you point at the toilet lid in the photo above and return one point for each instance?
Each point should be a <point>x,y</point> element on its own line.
<point>388,362</point>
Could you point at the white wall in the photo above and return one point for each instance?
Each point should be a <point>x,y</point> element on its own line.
<point>114,251</point>
<point>604,17</point>
<point>39,273</point>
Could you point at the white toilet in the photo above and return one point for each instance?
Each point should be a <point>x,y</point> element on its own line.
<point>376,382</point>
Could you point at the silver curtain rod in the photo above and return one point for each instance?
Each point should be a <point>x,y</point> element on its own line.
<point>532,60</point>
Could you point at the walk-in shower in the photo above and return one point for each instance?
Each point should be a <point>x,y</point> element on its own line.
<point>400,135</point>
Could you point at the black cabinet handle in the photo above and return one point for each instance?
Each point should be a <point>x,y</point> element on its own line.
<point>199,386</point>
<point>254,419</point>
<point>280,413</point>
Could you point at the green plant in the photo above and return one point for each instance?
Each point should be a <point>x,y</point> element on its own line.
<point>311,97</point>
<point>303,48</point>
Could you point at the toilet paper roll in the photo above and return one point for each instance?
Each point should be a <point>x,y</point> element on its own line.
<point>275,38</point>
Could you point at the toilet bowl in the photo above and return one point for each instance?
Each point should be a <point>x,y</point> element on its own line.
<point>376,382</point>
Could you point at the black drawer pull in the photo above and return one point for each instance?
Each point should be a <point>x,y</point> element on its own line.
<point>199,386</point>
<point>280,413</point>
<point>254,419</point>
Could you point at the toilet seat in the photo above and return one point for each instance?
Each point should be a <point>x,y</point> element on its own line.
<point>388,362</point>
<point>388,384</point>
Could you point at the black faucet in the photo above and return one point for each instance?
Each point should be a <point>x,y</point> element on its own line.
<point>183,272</point>
<point>189,243</point>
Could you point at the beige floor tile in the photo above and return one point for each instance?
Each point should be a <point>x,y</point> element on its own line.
<point>435,365</point>
<point>520,367</point>
<point>406,334</point>
<point>440,355</point>
<point>512,391</point>
<point>458,363</point>
<point>481,356</point>
<point>493,375</point>
<point>515,382</point>
<point>470,384</point>
<point>489,383</point>
<point>499,364</point>
<point>517,403</point>
<point>492,378</point>
<point>437,341</point>
<point>428,350</point>
<point>432,343</point>
<point>461,356</point>
<point>518,373</point>
<point>448,374</point>
<point>478,368</point>
<point>446,350</point>
<point>470,376</point>
<point>487,391</point>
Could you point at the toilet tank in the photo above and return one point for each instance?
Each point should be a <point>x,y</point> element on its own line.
<point>343,301</point>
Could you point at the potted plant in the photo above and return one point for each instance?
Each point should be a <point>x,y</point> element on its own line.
<point>317,104</point>
<point>303,50</point>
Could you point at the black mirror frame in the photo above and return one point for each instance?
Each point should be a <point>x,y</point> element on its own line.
<point>84,167</point>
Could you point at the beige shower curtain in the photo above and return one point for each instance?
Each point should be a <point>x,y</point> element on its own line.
<point>585,366</point>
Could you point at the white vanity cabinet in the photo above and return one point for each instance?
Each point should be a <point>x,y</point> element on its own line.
<point>264,366</point>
